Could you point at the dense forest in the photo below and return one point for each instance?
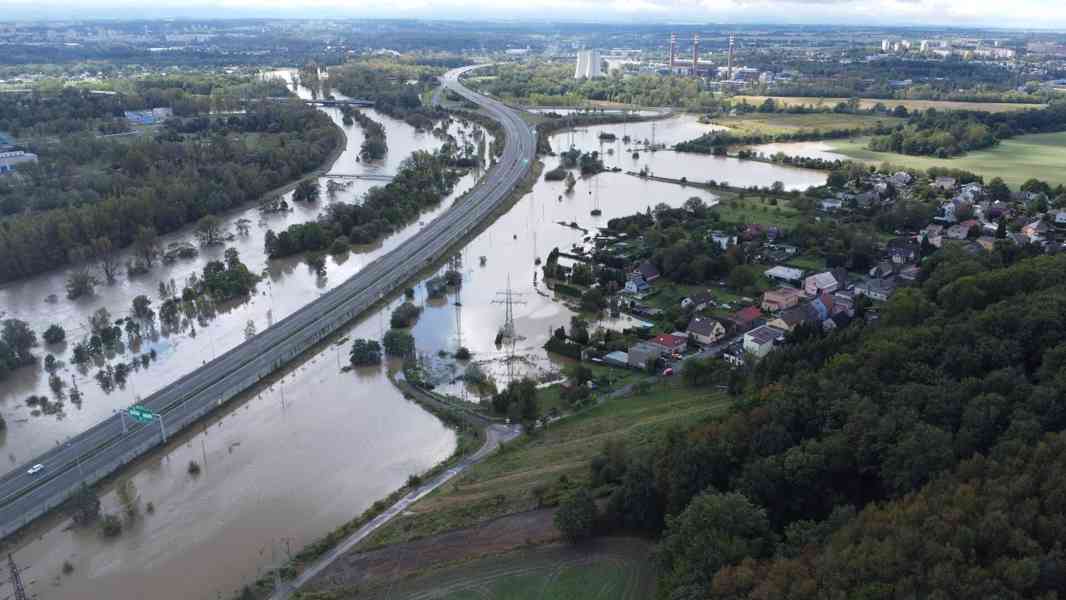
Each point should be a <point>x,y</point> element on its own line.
<point>950,133</point>
<point>86,188</point>
<point>423,181</point>
<point>395,86</point>
<point>904,458</point>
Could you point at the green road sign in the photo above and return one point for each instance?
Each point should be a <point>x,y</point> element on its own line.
<point>140,413</point>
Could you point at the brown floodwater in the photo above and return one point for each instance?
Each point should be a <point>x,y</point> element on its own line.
<point>288,464</point>
<point>289,284</point>
<point>816,149</point>
<point>667,163</point>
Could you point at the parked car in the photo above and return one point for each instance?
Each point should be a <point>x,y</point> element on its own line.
<point>668,371</point>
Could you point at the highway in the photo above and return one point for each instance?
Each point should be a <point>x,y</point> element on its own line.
<point>105,447</point>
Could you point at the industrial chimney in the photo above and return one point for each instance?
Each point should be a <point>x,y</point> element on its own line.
<point>673,50</point>
<point>695,54</point>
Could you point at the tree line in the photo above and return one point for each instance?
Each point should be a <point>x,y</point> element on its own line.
<point>950,133</point>
<point>166,183</point>
<point>424,179</point>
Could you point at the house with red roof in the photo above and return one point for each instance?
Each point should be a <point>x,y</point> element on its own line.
<point>669,343</point>
<point>746,319</point>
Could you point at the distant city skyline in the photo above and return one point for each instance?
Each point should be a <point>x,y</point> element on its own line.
<point>1035,14</point>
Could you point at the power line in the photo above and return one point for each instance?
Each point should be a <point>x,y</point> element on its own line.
<point>16,579</point>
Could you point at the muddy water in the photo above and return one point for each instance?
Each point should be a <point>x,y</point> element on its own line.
<point>822,150</point>
<point>311,452</point>
<point>286,465</point>
<point>289,284</point>
<point>666,163</point>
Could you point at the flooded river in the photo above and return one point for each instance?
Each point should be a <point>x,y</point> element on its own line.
<point>316,448</point>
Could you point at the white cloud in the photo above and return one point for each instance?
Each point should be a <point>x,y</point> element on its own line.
<point>1015,13</point>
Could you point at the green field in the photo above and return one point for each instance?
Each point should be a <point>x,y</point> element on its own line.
<point>605,569</point>
<point>752,209</point>
<point>778,123</point>
<point>1040,155</point>
<point>867,103</point>
<point>555,460</point>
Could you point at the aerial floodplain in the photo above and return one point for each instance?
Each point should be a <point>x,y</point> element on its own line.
<point>448,301</point>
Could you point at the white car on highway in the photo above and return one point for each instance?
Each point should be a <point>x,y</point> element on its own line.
<point>35,469</point>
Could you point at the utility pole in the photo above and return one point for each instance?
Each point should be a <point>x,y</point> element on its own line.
<point>507,332</point>
<point>16,579</point>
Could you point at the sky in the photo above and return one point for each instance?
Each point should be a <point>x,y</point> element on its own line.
<point>1043,14</point>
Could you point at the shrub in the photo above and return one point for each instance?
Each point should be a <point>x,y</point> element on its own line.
<point>55,334</point>
<point>111,526</point>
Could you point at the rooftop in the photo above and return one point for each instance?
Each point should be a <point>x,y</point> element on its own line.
<point>764,335</point>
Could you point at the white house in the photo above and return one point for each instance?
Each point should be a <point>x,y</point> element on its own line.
<point>760,341</point>
<point>723,240</point>
<point>636,286</point>
<point>785,274</point>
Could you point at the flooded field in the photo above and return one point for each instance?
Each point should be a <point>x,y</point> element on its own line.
<point>316,448</point>
<point>288,284</point>
<point>822,150</point>
<point>666,163</point>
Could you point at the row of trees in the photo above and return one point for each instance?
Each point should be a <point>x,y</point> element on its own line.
<point>949,133</point>
<point>716,142</point>
<point>373,146</point>
<point>423,180</point>
<point>163,185</point>
<point>806,489</point>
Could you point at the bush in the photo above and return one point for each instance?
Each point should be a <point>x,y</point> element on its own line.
<point>111,526</point>
<point>194,468</point>
<point>462,353</point>
<point>404,316</point>
<point>576,517</point>
<point>55,334</point>
<point>340,245</point>
<point>399,343</point>
<point>366,353</point>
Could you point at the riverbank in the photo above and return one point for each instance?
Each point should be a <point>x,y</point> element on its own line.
<point>314,559</point>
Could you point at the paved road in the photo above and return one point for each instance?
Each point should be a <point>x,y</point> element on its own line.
<point>103,448</point>
<point>494,436</point>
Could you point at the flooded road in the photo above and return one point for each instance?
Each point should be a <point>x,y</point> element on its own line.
<point>312,451</point>
<point>288,285</point>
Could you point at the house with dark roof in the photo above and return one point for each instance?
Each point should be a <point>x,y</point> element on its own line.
<point>792,318</point>
<point>647,271</point>
<point>903,250</point>
<point>705,330</point>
